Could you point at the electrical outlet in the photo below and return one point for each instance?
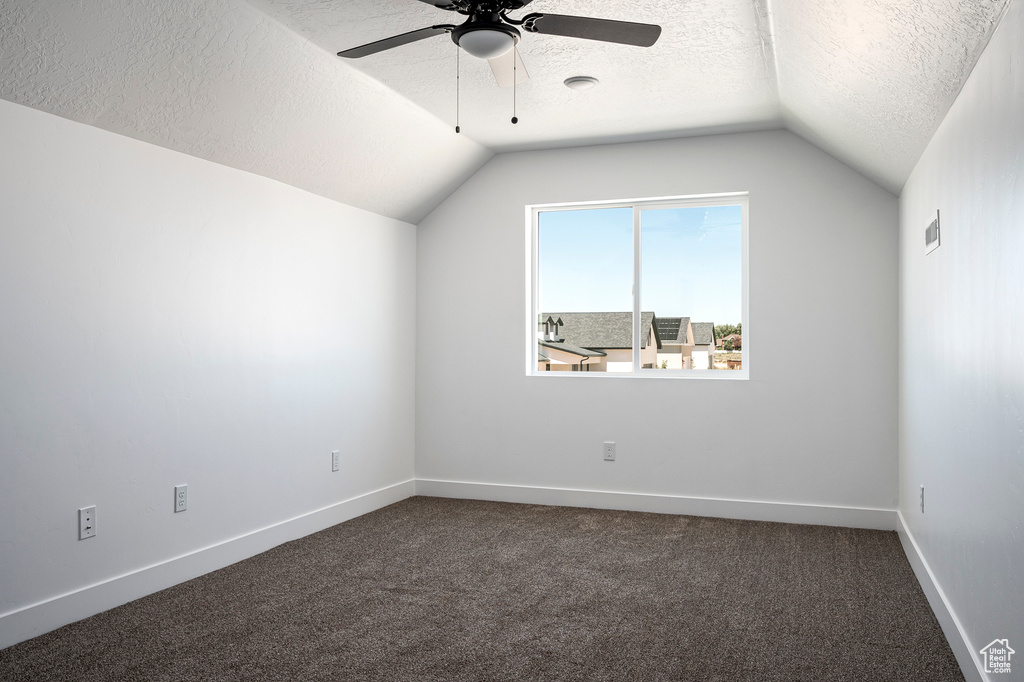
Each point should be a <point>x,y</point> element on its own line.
<point>335,460</point>
<point>922,499</point>
<point>86,522</point>
<point>180,498</point>
<point>609,451</point>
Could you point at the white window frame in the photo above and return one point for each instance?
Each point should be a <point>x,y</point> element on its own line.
<point>638,205</point>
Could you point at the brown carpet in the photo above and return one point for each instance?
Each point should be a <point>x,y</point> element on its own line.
<point>436,589</point>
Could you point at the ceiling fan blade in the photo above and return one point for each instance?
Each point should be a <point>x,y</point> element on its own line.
<point>607,30</point>
<point>505,5</point>
<point>440,4</point>
<point>395,41</point>
<point>501,67</point>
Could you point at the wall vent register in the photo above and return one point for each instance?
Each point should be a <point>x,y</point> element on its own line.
<point>931,235</point>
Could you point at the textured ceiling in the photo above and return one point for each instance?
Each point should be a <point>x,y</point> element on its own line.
<point>220,80</point>
<point>869,81</point>
<point>257,86</point>
<point>709,69</point>
<point>866,80</point>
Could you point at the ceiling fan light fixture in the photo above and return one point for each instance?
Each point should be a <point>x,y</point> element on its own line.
<point>581,82</point>
<point>487,43</point>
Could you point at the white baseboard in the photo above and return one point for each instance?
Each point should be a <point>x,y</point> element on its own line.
<point>35,619</point>
<point>970,664</point>
<point>851,517</point>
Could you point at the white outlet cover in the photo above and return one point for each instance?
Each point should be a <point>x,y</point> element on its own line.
<point>180,498</point>
<point>86,523</point>
<point>335,460</point>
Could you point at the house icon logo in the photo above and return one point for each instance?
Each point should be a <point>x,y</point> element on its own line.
<point>997,656</point>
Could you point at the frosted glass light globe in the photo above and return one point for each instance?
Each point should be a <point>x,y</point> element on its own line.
<point>486,43</point>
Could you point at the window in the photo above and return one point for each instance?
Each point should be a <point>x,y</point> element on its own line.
<point>652,287</point>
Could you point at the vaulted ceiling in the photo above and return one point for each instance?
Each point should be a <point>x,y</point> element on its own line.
<point>257,86</point>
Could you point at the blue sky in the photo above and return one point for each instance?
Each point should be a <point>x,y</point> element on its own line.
<point>691,261</point>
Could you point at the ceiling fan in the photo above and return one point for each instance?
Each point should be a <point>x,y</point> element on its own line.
<point>489,33</point>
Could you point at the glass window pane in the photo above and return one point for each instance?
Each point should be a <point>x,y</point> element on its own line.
<point>585,290</point>
<point>692,281</point>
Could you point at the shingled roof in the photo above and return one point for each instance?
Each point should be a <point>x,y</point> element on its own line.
<point>671,330</point>
<point>600,330</point>
<point>703,333</point>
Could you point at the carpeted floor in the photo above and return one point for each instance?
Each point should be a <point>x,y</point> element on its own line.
<point>436,589</point>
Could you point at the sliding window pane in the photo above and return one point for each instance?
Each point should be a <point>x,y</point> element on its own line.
<point>585,285</point>
<point>692,280</point>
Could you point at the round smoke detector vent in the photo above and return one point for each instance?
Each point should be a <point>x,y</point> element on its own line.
<point>581,82</point>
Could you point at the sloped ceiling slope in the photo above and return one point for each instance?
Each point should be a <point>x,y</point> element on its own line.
<point>219,80</point>
<point>712,69</point>
<point>866,80</point>
<point>869,81</point>
<point>255,85</point>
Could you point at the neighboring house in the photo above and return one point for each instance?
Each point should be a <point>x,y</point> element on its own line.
<point>676,342</point>
<point>730,355</point>
<point>703,353</point>
<point>594,342</point>
<point>685,344</point>
<point>737,341</point>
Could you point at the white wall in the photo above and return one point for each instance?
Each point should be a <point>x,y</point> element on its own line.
<point>961,410</point>
<point>167,320</point>
<point>823,259</point>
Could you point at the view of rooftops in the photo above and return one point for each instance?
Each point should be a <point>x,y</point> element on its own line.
<point>690,276</point>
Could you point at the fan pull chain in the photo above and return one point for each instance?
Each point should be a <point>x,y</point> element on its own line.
<point>458,78</point>
<point>515,58</point>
